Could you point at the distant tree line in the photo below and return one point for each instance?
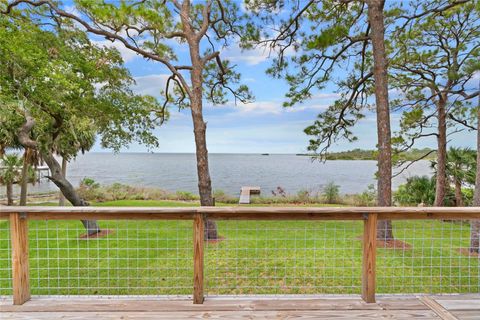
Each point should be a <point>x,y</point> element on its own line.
<point>361,154</point>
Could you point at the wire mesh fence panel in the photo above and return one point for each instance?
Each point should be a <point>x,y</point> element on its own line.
<point>135,258</point>
<point>284,257</point>
<point>5,259</point>
<point>428,256</point>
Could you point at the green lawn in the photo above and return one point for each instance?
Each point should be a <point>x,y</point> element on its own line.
<point>256,257</point>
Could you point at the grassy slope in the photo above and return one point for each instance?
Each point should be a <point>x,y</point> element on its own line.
<point>155,257</point>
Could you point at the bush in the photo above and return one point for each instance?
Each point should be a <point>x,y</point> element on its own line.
<point>118,191</point>
<point>367,198</point>
<point>89,183</point>
<point>331,193</point>
<point>221,196</point>
<point>90,190</point>
<point>417,190</point>
<point>185,195</point>
<point>467,194</point>
<point>303,196</point>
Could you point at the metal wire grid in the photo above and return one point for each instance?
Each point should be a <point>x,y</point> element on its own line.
<point>428,256</point>
<point>137,258</point>
<point>5,260</point>
<point>254,257</point>
<point>284,257</point>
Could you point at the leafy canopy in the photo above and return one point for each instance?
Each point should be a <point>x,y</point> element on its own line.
<point>73,90</point>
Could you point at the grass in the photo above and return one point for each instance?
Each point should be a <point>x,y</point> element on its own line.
<point>256,257</point>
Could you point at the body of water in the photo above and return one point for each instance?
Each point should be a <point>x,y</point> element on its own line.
<point>229,172</point>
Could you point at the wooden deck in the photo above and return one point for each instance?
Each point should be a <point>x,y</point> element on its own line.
<point>463,307</point>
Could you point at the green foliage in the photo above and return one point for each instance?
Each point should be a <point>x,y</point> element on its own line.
<point>415,191</point>
<point>11,171</point>
<point>72,89</point>
<point>162,31</point>
<point>434,60</point>
<point>89,183</point>
<point>185,195</point>
<point>304,196</point>
<point>462,165</point>
<point>421,190</point>
<point>221,197</point>
<point>467,194</point>
<point>93,191</point>
<point>359,154</point>
<point>331,193</point>
<point>320,43</point>
<point>367,198</point>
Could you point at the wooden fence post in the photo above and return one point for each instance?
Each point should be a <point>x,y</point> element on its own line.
<point>20,269</point>
<point>198,246</point>
<point>369,257</point>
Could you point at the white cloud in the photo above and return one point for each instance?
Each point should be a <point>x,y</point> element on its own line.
<point>127,54</point>
<point>328,95</point>
<point>314,106</point>
<point>251,57</point>
<point>260,107</point>
<point>72,9</point>
<point>249,80</point>
<point>151,84</point>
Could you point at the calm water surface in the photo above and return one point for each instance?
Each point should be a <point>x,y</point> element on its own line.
<point>229,172</point>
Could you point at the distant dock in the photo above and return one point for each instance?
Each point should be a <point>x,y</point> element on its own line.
<point>245,193</point>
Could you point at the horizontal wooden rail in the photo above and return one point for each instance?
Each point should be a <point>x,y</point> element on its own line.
<point>370,215</point>
<point>242,213</point>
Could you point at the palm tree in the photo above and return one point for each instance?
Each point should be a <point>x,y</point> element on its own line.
<point>10,173</point>
<point>461,168</point>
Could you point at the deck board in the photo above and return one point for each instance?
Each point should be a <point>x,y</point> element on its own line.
<point>302,314</point>
<point>337,307</point>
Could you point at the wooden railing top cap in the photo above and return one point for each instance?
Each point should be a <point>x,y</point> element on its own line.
<point>193,210</point>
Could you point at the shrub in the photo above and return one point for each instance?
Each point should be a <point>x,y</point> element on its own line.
<point>185,195</point>
<point>331,193</point>
<point>221,196</point>
<point>90,190</point>
<point>467,194</point>
<point>367,198</point>
<point>89,182</point>
<point>118,191</point>
<point>417,190</point>
<point>305,196</point>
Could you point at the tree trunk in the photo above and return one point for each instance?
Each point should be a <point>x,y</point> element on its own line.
<point>24,181</point>
<point>56,172</point>
<point>61,199</point>
<point>475,224</point>
<point>9,194</point>
<point>204,181</point>
<point>68,190</point>
<point>441,178</point>
<point>376,19</point>
<point>199,130</point>
<point>458,193</point>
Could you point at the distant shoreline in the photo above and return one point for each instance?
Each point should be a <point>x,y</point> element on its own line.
<point>359,154</point>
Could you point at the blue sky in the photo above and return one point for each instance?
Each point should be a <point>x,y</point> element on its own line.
<point>262,126</point>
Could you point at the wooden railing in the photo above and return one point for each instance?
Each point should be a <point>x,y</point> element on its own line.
<point>19,217</point>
